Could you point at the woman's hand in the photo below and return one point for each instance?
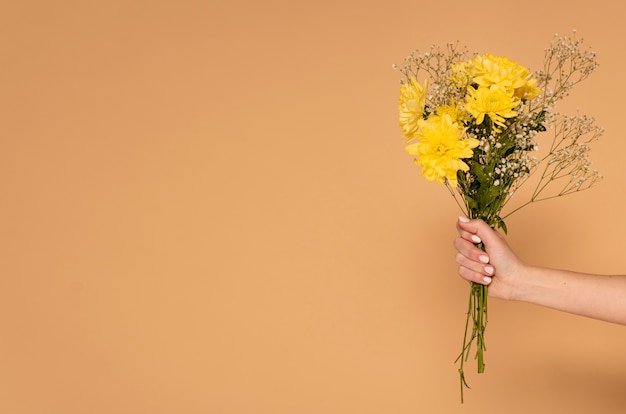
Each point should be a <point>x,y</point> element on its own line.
<point>497,266</point>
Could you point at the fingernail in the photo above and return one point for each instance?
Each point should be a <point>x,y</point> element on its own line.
<point>483,258</point>
<point>487,279</point>
<point>489,270</point>
<point>464,219</point>
<point>476,239</point>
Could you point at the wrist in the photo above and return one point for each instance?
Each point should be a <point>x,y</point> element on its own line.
<point>532,285</point>
<point>522,283</point>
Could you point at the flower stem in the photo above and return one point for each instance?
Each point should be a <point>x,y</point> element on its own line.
<point>477,312</point>
<point>480,323</point>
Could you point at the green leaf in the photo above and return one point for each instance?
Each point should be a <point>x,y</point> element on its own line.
<point>471,202</point>
<point>500,223</point>
<point>477,170</point>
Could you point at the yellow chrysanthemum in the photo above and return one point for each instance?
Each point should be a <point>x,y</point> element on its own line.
<point>411,106</point>
<point>461,74</point>
<point>529,91</point>
<point>455,111</point>
<point>440,147</point>
<point>488,70</point>
<point>496,102</point>
<point>496,70</point>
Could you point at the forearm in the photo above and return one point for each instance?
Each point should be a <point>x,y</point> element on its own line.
<point>596,296</point>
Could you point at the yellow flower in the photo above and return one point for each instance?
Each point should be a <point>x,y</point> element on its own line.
<point>495,101</point>
<point>455,111</point>
<point>529,91</point>
<point>411,106</point>
<point>495,70</point>
<point>462,74</point>
<point>491,70</point>
<point>440,147</point>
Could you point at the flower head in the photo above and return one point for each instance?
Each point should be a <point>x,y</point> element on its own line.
<point>411,106</point>
<point>488,70</point>
<point>462,74</point>
<point>496,102</point>
<point>440,147</point>
<point>528,91</point>
<point>455,111</point>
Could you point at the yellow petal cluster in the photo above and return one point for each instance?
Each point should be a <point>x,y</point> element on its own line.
<point>488,70</point>
<point>440,148</point>
<point>455,111</point>
<point>411,106</point>
<point>494,101</point>
<point>461,74</point>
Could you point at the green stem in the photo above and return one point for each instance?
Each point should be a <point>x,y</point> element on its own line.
<point>477,311</point>
<point>462,357</point>
<point>480,324</point>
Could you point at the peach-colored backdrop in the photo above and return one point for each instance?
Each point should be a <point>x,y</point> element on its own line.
<point>206,208</point>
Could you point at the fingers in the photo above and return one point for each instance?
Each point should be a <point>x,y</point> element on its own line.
<point>473,262</point>
<point>470,251</point>
<point>467,229</point>
<point>477,231</point>
<point>473,276</point>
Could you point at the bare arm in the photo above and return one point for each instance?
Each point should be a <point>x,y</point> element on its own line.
<point>600,297</point>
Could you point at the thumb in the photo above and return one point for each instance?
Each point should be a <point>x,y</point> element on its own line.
<point>478,231</point>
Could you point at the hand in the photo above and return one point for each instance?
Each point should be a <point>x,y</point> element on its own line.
<point>497,266</point>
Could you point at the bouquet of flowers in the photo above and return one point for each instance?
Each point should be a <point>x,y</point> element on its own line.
<point>472,124</point>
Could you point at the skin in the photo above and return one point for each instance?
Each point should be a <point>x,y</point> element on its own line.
<point>601,297</point>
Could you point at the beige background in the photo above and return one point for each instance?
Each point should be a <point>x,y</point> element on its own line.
<point>208,209</point>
